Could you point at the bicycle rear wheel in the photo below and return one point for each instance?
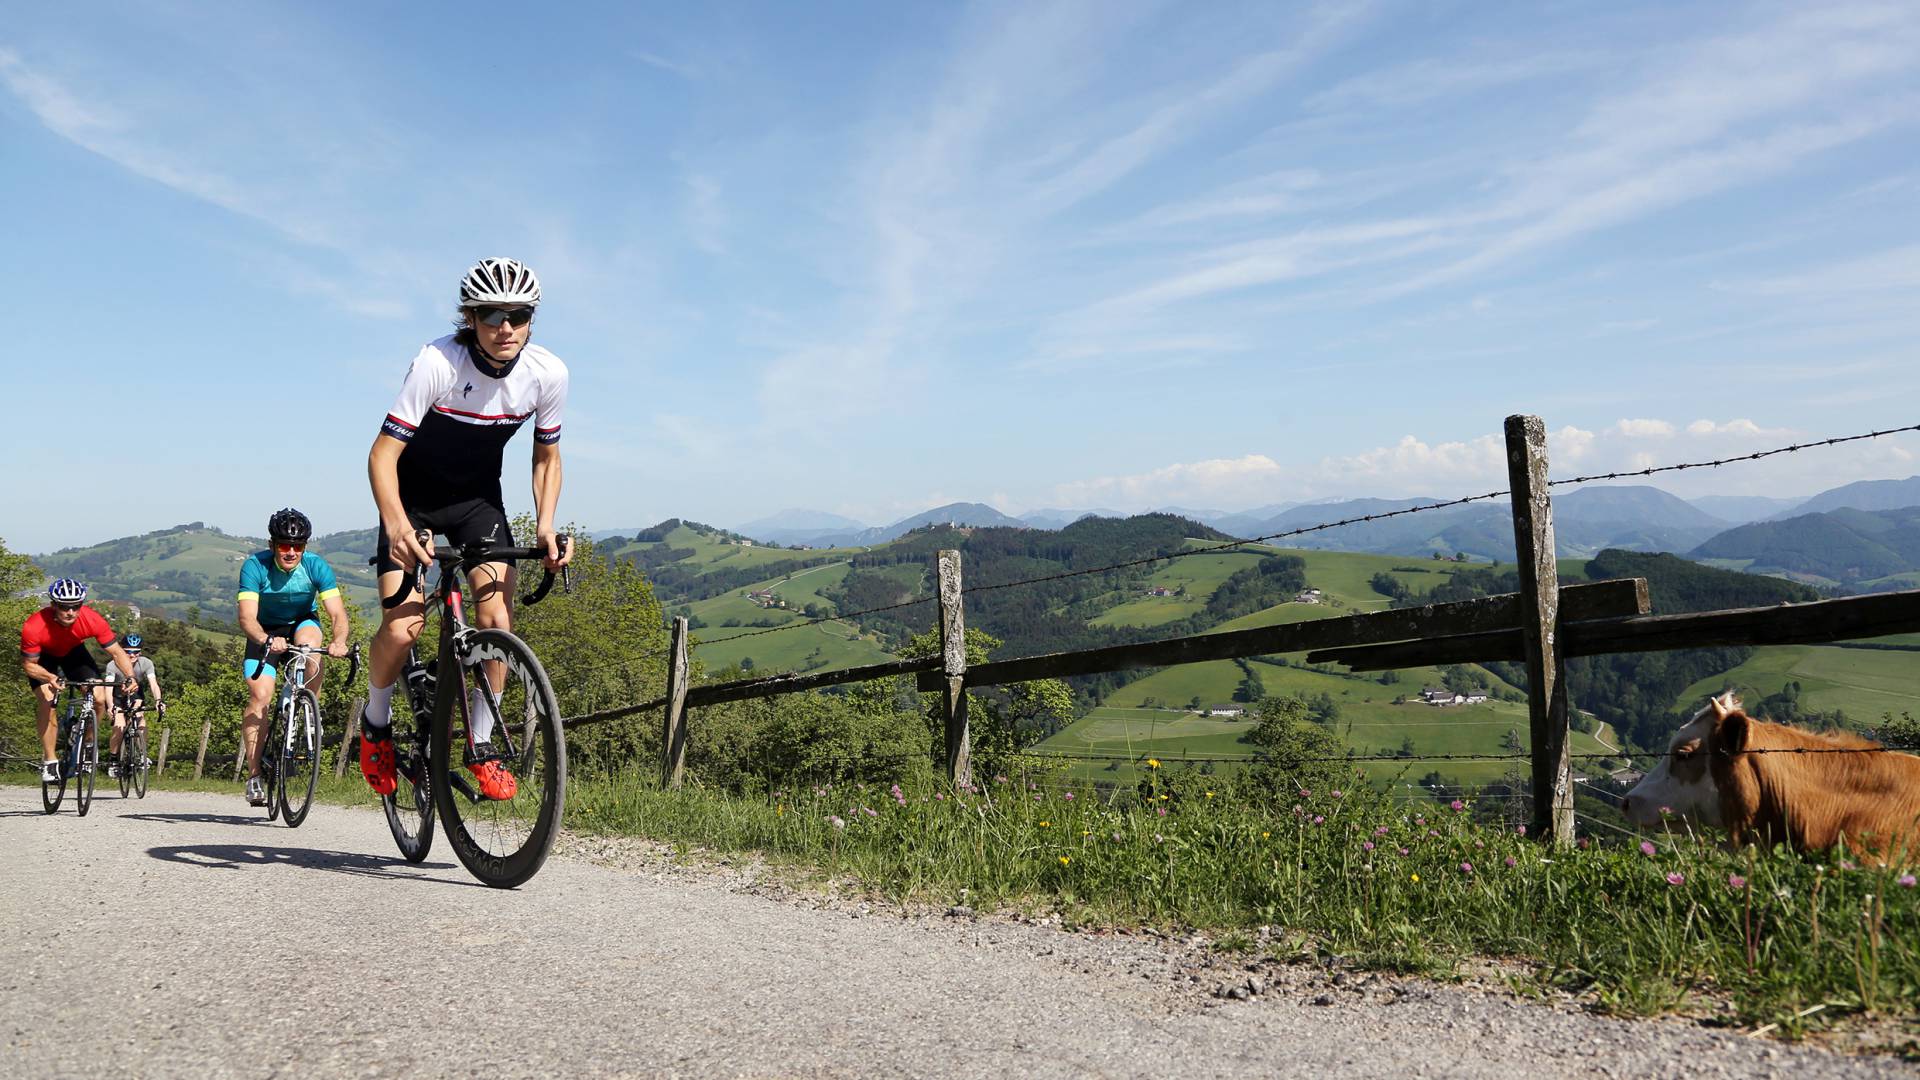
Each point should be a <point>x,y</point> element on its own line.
<point>501,842</point>
<point>89,757</point>
<point>300,759</point>
<point>410,807</point>
<point>140,764</point>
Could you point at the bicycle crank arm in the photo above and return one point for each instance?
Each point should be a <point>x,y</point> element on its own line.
<point>459,784</point>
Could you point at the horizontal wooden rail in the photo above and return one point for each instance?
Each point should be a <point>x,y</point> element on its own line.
<point>1813,623</point>
<point>1589,600</point>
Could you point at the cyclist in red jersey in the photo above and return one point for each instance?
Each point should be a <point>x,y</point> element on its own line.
<point>53,650</point>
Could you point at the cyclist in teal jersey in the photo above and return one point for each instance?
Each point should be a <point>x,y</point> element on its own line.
<point>280,590</point>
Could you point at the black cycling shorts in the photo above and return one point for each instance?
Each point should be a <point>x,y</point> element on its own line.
<point>76,666</point>
<point>471,521</point>
<point>256,652</point>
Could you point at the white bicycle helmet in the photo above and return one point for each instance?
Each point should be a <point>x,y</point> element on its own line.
<point>67,591</point>
<point>499,282</point>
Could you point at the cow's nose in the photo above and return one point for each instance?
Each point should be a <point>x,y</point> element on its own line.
<point>1626,807</point>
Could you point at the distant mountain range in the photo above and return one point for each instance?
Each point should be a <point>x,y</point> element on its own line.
<point>1844,546</point>
<point>1632,517</point>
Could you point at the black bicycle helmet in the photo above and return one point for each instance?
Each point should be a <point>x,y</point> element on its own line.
<point>289,525</point>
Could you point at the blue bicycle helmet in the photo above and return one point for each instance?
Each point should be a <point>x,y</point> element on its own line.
<point>132,642</point>
<point>68,592</point>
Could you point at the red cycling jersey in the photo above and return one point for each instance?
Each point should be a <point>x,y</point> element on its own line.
<point>42,632</point>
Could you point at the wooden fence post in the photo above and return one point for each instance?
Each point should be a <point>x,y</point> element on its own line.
<point>1539,623</point>
<point>673,730</point>
<point>953,668</point>
<point>160,768</point>
<point>200,755</point>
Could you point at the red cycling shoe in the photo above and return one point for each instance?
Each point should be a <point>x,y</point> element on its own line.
<point>376,758</point>
<point>496,782</point>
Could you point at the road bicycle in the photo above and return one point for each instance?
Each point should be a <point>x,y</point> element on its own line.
<point>79,731</point>
<point>290,756</point>
<point>501,842</point>
<point>133,761</point>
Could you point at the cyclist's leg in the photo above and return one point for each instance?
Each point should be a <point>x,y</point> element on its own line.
<point>491,589</point>
<point>260,678</point>
<point>44,701</point>
<point>307,632</point>
<point>120,707</point>
<point>399,629</point>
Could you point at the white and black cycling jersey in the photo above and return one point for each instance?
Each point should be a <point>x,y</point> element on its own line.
<point>456,413</point>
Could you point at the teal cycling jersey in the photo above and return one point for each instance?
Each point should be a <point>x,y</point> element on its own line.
<point>286,596</point>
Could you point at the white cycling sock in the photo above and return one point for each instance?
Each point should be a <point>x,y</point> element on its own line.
<point>482,707</point>
<point>379,705</point>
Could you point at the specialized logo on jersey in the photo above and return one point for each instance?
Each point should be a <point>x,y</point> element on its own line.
<point>468,389</point>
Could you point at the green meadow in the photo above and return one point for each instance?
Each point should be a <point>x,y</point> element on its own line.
<point>1863,683</point>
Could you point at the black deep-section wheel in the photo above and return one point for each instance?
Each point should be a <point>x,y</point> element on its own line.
<point>89,763</point>
<point>410,807</point>
<point>503,843</point>
<point>300,759</point>
<point>122,759</point>
<point>140,763</point>
<point>270,759</point>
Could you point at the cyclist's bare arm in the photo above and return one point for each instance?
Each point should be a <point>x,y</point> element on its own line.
<point>247,612</point>
<point>337,616</point>
<point>546,498</point>
<point>31,665</point>
<point>383,472</point>
<point>153,687</point>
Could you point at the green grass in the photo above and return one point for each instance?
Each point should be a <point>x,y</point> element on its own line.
<point>1863,683</point>
<point>1766,933</point>
<point>1200,575</point>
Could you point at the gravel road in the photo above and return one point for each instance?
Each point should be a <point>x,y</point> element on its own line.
<point>182,935</point>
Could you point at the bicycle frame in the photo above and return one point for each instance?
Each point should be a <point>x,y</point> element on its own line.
<point>456,638</point>
<point>73,724</point>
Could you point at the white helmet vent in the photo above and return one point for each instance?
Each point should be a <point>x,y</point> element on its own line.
<point>494,282</point>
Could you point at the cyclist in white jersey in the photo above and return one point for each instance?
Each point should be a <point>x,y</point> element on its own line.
<point>435,466</point>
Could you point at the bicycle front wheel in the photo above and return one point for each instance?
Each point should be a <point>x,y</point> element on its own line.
<point>300,759</point>
<point>275,734</point>
<point>124,760</point>
<point>502,842</point>
<point>89,756</point>
<point>51,792</point>
<point>140,764</point>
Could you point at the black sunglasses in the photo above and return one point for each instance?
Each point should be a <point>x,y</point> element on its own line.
<point>512,316</point>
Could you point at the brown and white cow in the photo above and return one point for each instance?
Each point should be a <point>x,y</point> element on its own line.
<point>1679,788</point>
<point>1778,784</point>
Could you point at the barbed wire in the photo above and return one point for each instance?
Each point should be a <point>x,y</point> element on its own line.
<point>1215,548</point>
<point>1756,456</point>
<point>1268,538</point>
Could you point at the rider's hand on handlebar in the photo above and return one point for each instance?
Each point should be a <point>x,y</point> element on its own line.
<point>337,651</point>
<point>276,645</point>
<point>405,548</point>
<point>59,684</point>
<point>558,554</point>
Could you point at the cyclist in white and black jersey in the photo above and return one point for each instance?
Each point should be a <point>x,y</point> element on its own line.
<point>435,466</point>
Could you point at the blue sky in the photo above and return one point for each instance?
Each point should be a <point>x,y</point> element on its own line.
<point>872,258</point>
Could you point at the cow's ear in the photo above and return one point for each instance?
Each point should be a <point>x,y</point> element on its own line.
<point>1731,733</point>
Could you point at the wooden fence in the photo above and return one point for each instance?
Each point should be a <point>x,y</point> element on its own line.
<point>1542,625</point>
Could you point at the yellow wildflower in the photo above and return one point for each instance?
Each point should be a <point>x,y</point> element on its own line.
<point>1045,824</point>
<point>1209,794</point>
<point>1264,835</point>
<point>1064,860</point>
<point>1415,878</point>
